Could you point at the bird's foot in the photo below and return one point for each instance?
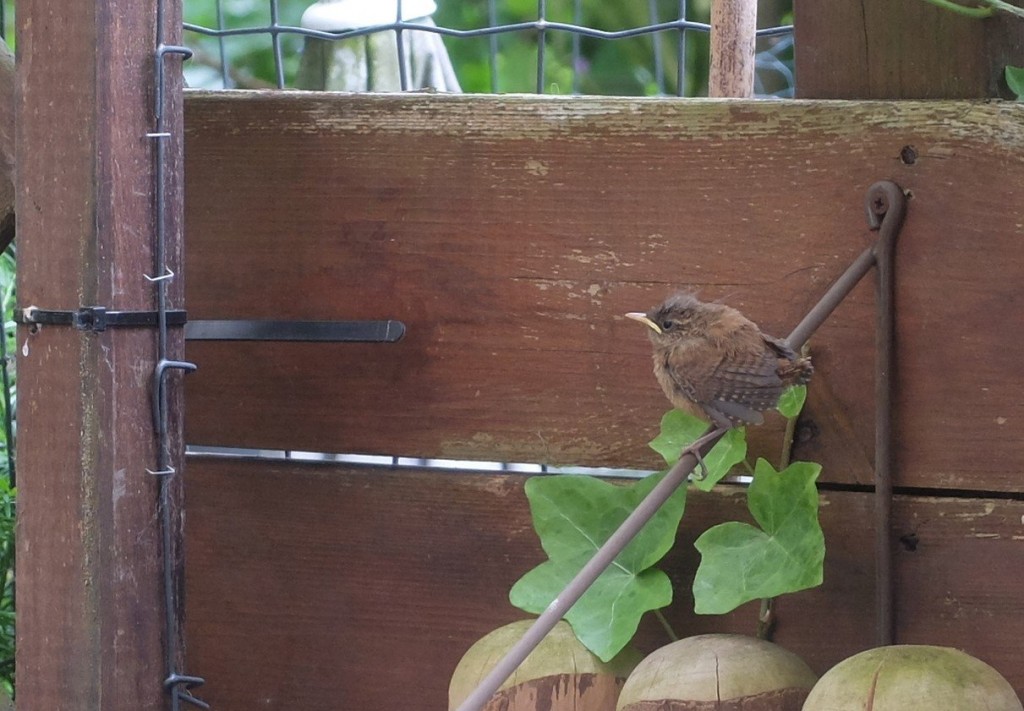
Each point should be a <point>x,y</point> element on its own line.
<point>700,463</point>
<point>695,446</point>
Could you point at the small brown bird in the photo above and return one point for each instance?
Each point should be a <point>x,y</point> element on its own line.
<point>713,361</point>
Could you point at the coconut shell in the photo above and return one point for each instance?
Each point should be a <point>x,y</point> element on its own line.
<point>559,675</point>
<point>718,672</point>
<point>912,678</point>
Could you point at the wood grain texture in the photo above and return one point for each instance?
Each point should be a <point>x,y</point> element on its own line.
<point>733,35</point>
<point>511,234</point>
<point>89,595</point>
<point>327,586</point>
<point>891,49</point>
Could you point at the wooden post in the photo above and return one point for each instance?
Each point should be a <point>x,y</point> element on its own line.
<point>90,593</point>
<point>733,31</point>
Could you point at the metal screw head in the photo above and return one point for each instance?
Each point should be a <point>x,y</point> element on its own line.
<point>908,155</point>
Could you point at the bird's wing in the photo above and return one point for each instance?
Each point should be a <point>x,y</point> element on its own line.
<point>742,387</point>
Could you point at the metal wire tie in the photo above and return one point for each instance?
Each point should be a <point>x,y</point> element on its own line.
<point>174,682</point>
<point>167,471</point>
<point>96,318</point>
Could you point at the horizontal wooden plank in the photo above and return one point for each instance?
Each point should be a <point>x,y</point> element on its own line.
<point>510,234</point>
<point>327,586</point>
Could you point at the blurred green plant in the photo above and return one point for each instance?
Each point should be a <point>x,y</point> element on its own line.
<point>7,491</point>
<point>249,57</point>
<point>980,9</point>
<point>7,21</point>
<point>1015,80</point>
<point>636,66</point>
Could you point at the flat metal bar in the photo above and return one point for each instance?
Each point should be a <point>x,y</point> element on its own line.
<point>316,331</point>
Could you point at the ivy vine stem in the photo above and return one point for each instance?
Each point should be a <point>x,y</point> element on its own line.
<point>672,636</point>
<point>976,12</point>
<point>987,9</point>
<point>1006,7</point>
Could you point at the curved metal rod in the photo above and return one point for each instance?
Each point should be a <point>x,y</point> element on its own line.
<point>886,206</point>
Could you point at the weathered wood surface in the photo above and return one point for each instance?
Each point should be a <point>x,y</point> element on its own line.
<point>328,586</point>
<point>733,36</point>
<point>511,234</point>
<point>894,49</point>
<point>90,595</point>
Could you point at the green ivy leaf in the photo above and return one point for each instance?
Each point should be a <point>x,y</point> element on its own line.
<point>792,401</point>
<point>574,516</point>
<point>679,429</point>
<point>1015,80</point>
<point>740,562</point>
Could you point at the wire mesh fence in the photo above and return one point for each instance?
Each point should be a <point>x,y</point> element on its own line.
<point>658,47</point>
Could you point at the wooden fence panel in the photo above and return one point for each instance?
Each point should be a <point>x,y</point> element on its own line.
<point>320,587</point>
<point>510,234</point>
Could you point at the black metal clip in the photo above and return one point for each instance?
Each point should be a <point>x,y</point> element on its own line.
<point>175,681</point>
<point>96,318</point>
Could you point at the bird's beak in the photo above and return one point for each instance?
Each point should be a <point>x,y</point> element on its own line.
<point>642,318</point>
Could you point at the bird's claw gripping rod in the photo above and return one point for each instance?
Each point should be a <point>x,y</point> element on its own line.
<point>886,205</point>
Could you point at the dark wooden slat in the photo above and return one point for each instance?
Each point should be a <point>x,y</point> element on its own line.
<point>511,234</point>
<point>328,586</point>
<point>889,49</point>
<point>90,595</point>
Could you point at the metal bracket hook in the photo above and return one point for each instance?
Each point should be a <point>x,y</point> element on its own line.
<point>174,684</point>
<point>886,206</point>
<point>886,203</point>
<point>159,391</point>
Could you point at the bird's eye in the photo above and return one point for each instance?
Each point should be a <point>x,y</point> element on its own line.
<point>666,325</point>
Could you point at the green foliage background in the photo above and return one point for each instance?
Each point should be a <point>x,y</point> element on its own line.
<point>625,67</point>
<point>7,502</point>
